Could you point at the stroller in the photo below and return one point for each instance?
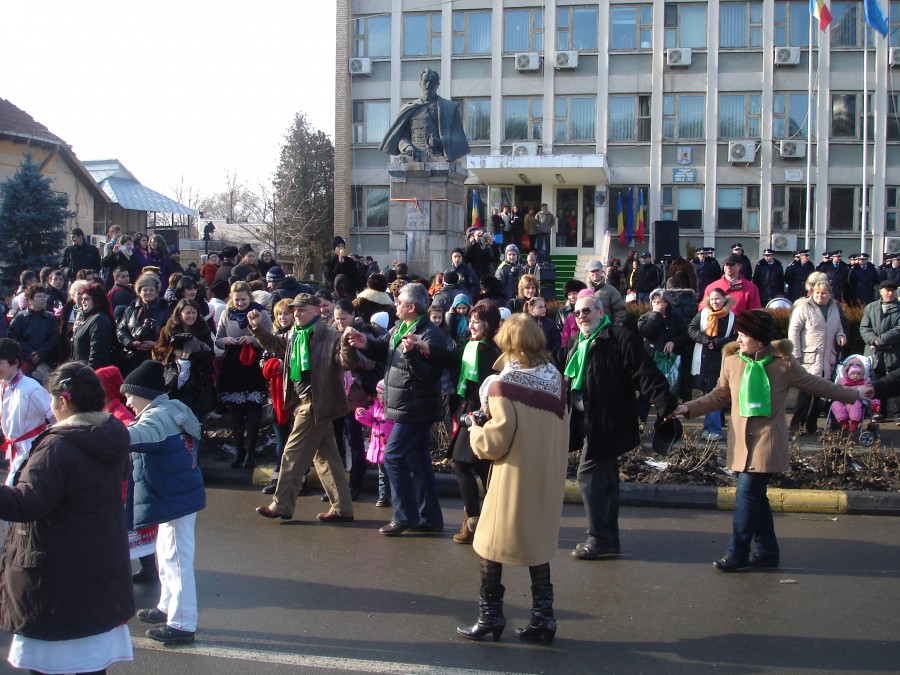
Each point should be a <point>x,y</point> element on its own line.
<point>868,426</point>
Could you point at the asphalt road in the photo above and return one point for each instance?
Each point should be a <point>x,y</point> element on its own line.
<point>285,597</point>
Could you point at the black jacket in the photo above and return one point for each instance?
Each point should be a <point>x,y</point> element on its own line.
<point>412,392</point>
<point>66,570</point>
<point>113,260</point>
<point>658,330</point>
<point>347,266</point>
<point>37,332</point>
<point>707,272</point>
<point>93,342</point>
<point>142,323</point>
<point>616,365</point>
<point>77,258</point>
<point>795,276</point>
<point>838,278</point>
<point>862,283</point>
<point>648,278</point>
<point>769,279</point>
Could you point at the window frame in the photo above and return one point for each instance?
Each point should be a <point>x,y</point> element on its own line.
<point>433,34</point>
<point>362,125</point>
<point>857,208</point>
<point>781,207</point>
<point>857,118</point>
<point>464,110</point>
<point>750,214</point>
<point>891,208</point>
<point>669,204</point>
<point>640,28</point>
<point>363,38</point>
<point>752,28</point>
<point>675,117</point>
<point>567,120</point>
<point>749,116</point>
<point>810,120</point>
<point>534,121</point>
<point>569,29</point>
<point>640,124</point>
<point>793,36</point>
<point>465,33</point>
<point>360,207</point>
<point>535,35</point>
<point>674,30</point>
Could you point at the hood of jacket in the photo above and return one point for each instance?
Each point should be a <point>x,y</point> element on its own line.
<point>783,349</point>
<point>378,297</point>
<point>729,303</point>
<point>96,434</point>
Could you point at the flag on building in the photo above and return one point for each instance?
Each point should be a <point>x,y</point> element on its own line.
<point>476,219</point>
<point>629,224</point>
<point>820,10</point>
<point>621,221</point>
<point>640,217</point>
<point>875,17</point>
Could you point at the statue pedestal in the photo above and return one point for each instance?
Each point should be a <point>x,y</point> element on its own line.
<point>427,213</point>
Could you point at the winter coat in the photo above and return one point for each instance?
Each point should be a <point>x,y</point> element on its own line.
<point>744,292</point>
<point>479,258</point>
<point>613,303</point>
<point>76,258</point>
<point>114,260</point>
<point>795,276</point>
<point>509,276</point>
<point>706,272</point>
<point>93,342</point>
<point>460,448</point>
<point>66,569</point>
<point>142,322</point>
<point>838,277</point>
<point>224,271</point>
<point>37,333</point>
<point>347,266</point>
<point>329,399</point>
<point>815,337</point>
<point>373,416</point>
<point>617,365</point>
<point>862,282</point>
<point>647,278</point>
<point>707,361</point>
<point>208,272</point>
<point>551,331</point>
<point>526,437</point>
<point>243,270</point>
<point>412,392</point>
<point>657,330</point>
<point>884,326</point>
<point>761,444</point>
<point>167,483</point>
<point>468,280</point>
<point>369,302</point>
<point>686,268</point>
<point>120,296</point>
<point>769,279</point>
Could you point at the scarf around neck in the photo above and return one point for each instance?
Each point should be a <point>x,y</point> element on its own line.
<point>575,367</point>
<point>403,330</point>
<point>756,394</point>
<point>469,371</point>
<point>712,321</point>
<point>300,350</point>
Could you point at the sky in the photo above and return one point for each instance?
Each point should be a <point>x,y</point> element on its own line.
<point>179,92</point>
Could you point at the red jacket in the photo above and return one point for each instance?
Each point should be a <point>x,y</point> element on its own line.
<point>744,292</point>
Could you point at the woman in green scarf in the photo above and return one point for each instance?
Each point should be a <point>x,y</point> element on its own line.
<point>755,377</point>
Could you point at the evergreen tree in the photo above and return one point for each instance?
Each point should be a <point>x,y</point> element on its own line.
<point>31,222</point>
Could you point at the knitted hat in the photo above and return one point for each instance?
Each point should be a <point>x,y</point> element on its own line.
<point>504,314</point>
<point>461,299</point>
<point>220,289</point>
<point>451,277</point>
<point>146,279</point>
<point>573,286</point>
<point>586,293</point>
<point>146,381</point>
<point>338,241</point>
<point>377,282</point>
<point>513,248</point>
<point>381,319</point>
<point>757,323</point>
<point>275,274</point>
<point>456,250</point>
<point>111,379</point>
<point>661,293</point>
<point>380,386</point>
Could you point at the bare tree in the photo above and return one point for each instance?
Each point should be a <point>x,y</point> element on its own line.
<point>189,196</point>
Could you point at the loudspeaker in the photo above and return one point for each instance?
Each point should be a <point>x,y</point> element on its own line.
<point>666,239</point>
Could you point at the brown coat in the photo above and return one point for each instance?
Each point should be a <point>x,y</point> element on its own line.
<point>527,439</point>
<point>760,444</point>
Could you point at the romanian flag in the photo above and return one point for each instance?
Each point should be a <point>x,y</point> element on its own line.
<point>820,10</point>
<point>621,221</point>
<point>629,223</point>
<point>640,217</point>
<point>476,219</point>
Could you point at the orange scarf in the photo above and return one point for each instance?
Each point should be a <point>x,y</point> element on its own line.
<point>712,321</point>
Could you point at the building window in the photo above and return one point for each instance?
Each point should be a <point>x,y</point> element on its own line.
<point>631,27</point>
<point>894,24</point>
<point>476,206</point>
<point>683,116</point>
<point>893,117</point>
<point>739,115</point>
<point>522,119</point>
<point>576,28</point>
<point>422,34</point>
<point>845,208</point>
<point>845,25</point>
<point>891,202</point>
<point>523,30</point>
<point>790,115</point>
<point>789,207</point>
<point>574,118</point>
<point>370,207</point>
<point>792,24</point>
<point>472,32</point>
<point>372,36</point>
<point>629,118</point>
<point>740,24</point>
<point>847,114</point>
<point>685,25</point>
<point>371,120</point>
<point>683,204</point>
<point>477,118</point>
<point>737,206</point>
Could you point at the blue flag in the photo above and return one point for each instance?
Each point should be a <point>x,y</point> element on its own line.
<point>629,223</point>
<point>875,17</point>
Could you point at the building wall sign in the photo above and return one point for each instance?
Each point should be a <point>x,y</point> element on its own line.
<point>685,154</point>
<point>684,175</point>
<point>793,176</point>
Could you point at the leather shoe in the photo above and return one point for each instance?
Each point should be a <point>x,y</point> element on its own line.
<point>332,517</point>
<point>427,527</point>
<point>583,545</point>
<point>153,615</point>
<point>266,512</point>
<point>271,487</point>
<point>729,564</point>
<point>593,551</point>
<point>393,528</point>
<point>761,561</point>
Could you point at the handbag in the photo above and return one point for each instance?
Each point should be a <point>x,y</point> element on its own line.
<point>670,366</point>
<point>631,296</point>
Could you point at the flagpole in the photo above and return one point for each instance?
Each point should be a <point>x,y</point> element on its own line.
<point>809,137</point>
<point>865,130</point>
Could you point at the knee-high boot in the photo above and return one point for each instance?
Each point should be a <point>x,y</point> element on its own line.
<point>543,624</point>
<point>237,433</point>
<point>252,436</point>
<point>490,615</point>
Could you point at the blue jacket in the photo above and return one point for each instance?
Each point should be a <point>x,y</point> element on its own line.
<point>167,483</point>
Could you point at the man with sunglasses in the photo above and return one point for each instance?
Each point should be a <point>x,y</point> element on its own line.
<point>604,364</point>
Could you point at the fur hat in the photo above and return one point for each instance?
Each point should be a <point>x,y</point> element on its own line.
<point>573,286</point>
<point>245,249</point>
<point>377,282</point>
<point>230,252</point>
<point>757,323</point>
<point>146,381</point>
<point>662,294</point>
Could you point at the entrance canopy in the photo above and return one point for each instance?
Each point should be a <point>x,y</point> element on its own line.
<point>539,169</point>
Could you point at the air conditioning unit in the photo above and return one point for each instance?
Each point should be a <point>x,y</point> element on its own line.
<point>360,66</point>
<point>892,244</point>
<point>894,56</point>
<point>678,58</point>
<point>784,242</point>
<point>528,62</point>
<point>566,61</point>
<point>787,56</point>
<point>524,149</point>
<point>792,149</point>
<point>741,152</point>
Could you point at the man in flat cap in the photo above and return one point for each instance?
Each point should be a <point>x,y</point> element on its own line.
<point>862,281</point>
<point>796,273</point>
<point>769,277</point>
<point>613,302</point>
<point>880,331</point>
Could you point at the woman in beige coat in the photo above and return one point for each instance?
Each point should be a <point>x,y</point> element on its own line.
<point>523,428</point>
<point>816,332</point>
<point>756,380</point>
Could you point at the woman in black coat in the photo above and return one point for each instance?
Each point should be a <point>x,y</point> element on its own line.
<point>93,339</point>
<point>663,331</point>
<point>65,584</point>
<point>141,323</point>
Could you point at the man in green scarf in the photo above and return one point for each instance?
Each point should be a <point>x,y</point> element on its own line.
<point>314,392</point>
<point>604,364</point>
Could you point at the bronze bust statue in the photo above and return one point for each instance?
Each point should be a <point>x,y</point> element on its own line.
<point>429,127</point>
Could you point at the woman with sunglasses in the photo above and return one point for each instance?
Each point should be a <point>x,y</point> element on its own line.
<point>93,337</point>
<point>69,614</point>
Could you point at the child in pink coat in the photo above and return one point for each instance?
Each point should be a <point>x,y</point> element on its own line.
<point>373,416</point>
<point>849,415</point>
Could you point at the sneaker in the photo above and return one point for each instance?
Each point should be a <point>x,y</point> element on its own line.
<point>382,502</point>
<point>153,615</point>
<point>170,636</point>
<point>707,436</point>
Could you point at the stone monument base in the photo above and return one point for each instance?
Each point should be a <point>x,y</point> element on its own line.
<point>427,213</point>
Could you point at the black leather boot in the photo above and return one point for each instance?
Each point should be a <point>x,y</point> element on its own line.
<point>252,436</point>
<point>237,437</point>
<point>490,615</point>
<point>543,624</point>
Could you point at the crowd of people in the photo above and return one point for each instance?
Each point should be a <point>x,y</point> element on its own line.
<point>359,371</point>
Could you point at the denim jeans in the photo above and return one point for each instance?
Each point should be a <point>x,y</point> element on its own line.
<point>384,485</point>
<point>752,518</point>
<point>712,422</point>
<point>282,431</point>
<point>598,481</point>
<point>411,474</point>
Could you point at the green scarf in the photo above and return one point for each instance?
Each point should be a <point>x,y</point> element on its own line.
<point>575,366</point>
<point>756,395</point>
<point>404,328</point>
<point>469,366</point>
<point>300,351</point>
